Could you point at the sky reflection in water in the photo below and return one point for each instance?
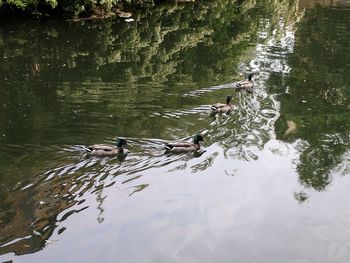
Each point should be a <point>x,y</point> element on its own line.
<point>266,189</point>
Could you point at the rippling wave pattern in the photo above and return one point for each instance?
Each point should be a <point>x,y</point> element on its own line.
<point>61,188</point>
<point>151,82</point>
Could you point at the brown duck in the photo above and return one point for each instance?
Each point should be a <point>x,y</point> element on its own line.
<point>246,84</point>
<point>107,150</point>
<point>222,107</point>
<point>183,147</point>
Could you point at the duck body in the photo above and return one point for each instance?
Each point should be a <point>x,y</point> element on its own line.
<point>106,150</point>
<point>183,147</point>
<point>246,84</point>
<point>221,107</point>
<point>103,149</point>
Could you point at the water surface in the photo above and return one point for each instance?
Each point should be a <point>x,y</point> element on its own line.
<point>271,184</point>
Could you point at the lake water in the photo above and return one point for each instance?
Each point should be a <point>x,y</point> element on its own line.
<point>272,182</point>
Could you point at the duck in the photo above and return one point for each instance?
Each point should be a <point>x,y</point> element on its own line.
<point>246,84</point>
<point>107,150</point>
<point>184,147</point>
<point>221,107</point>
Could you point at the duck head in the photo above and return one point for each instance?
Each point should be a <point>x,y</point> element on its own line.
<point>121,142</point>
<point>198,138</point>
<point>228,99</point>
<point>250,76</point>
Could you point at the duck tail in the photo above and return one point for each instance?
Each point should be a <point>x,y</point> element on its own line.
<point>87,149</point>
<point>168,147</point>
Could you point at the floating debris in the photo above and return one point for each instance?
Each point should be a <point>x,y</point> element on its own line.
<point>292,126</point>
<point>36,233</point>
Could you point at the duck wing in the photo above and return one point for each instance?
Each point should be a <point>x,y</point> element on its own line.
<point>217,106</point>
<point>242,83</point>
<point>172,145</point>
<point>245,84</point>
<point>101,147</point>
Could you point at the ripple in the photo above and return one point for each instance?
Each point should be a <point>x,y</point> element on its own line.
<point>181,113</point>
<point>56,182</point>
<point>202,91</point>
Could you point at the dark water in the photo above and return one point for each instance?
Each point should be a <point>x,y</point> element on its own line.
<point>272,183</point>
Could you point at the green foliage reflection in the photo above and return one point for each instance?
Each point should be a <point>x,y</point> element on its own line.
<point>319,97</point>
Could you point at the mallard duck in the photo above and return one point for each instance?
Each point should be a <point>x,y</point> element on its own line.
<point>182,147</point>
<point>246,84</point>
<point>103,149</point>
<point>221,107</point>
